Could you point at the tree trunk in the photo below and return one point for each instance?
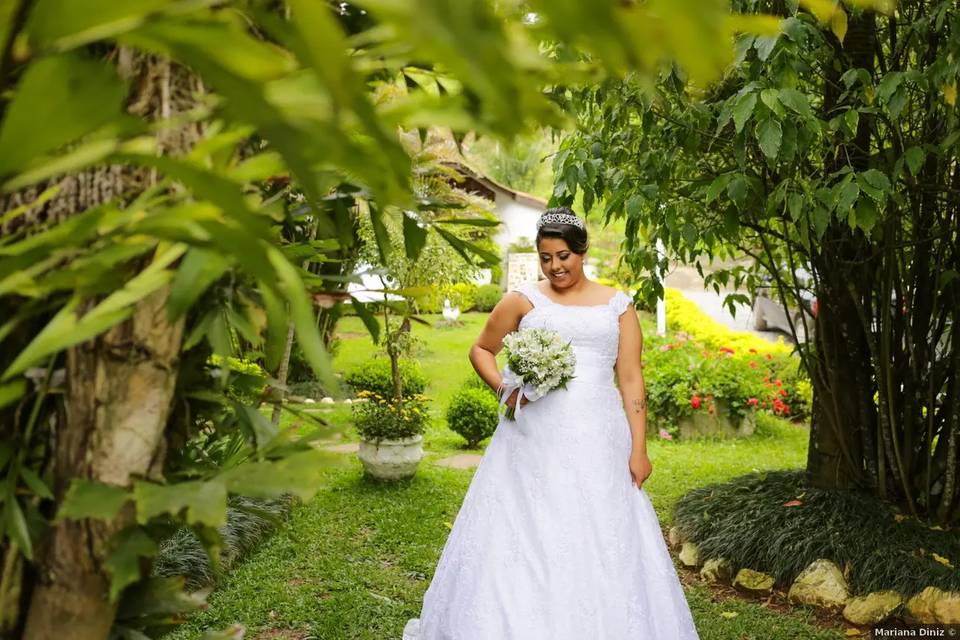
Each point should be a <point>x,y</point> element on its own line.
<point>842,379</point>
<point>282,374</point>
<point>119,391</point>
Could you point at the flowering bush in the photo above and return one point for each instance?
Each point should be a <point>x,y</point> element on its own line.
<point>683,377</point>
<point>379,417</point>
<point>773,359</point>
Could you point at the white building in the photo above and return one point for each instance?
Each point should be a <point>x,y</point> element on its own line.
<point>518,213</point>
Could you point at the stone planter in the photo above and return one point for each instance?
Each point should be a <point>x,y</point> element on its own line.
<point>391,459</point>
<point>701,423</point>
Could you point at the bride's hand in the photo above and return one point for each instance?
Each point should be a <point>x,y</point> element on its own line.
<point>512,400</point>
<point>640,467</point>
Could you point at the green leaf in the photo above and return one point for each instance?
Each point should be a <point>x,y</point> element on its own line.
<point>67,329</point>
<point>204,502</point>
<point>414,236</point>
<point>11,392</point>
<point>737,190</point>
<point>16,526</point>
<point>852,119</point>
<point>301,312</point>
<point>33,481</point>
<point>717,186</point>
<point>769,135</point>
<point>821,218</point>
<point>743,110</point>
<point>198,270</point>
<point>771,98</point>
<point>277,326</point>
<point>380,233</point>
<point>879,182</point>
<point>58,100</point>
<point>300,473</point>
<point>764,46</point>
<point>838,23</point>
<point>123,563</point>
<point>796,101</point>
<point>847,195</point>
<point>368,319</point>
<point>64,24</point>
<point>915,157</point>
<point>163,598</point>
<point>866,215</point>
<point>263,430</point>
<point>891,81</point>
<point>89,499</point>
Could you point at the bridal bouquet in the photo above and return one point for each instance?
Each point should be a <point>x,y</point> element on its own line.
<point>538,361</point>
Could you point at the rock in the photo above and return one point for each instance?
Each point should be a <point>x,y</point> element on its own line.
<point>755,581</point>
<point>348,401</point>
<point>716,570</point>
<point>689,554</point>
<point>872,608</point>
<point>326,400</point>
<point>309,401</point>
<point>933,605</point>
<point>675,537</point>
<point>821,584</point>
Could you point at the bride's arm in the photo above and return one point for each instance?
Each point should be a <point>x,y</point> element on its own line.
<point>630,377</point>
<point>504,318</point>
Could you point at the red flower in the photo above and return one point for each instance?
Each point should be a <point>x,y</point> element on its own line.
<point>769,356</point>
<point>778,382</point>
<point>752,350</point>
<point>706,354</point>
<point>783,392</point>
<point>752,402</point>
<point>726,350</point>
<point>753,364</point>
<point>695,402</point>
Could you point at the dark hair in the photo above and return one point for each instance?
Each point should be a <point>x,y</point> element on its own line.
<point>574,236</point>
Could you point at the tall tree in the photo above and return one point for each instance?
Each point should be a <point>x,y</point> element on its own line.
<point>142,244</point>
<point>830,145</point>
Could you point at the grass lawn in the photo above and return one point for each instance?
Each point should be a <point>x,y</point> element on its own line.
<point>354,562</point>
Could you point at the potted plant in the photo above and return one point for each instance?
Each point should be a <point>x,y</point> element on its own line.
<point>391,433</point>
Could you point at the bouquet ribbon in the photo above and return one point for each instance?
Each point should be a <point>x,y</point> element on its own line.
<point>509,383</point>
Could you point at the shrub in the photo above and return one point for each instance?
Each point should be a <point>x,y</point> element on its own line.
<point>488,296</point>
<point>782,373</point>
<point>250,521</point>
<point>473,413</point>
<point>745,520</point>
<point>461,294</point>
<point>476,382</point>
<point>246,380</point>
<point>375,376</point>
<point>682,377</point>
<point>379,417</point>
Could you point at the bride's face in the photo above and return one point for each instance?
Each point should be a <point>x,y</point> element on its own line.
<point>562,266</point>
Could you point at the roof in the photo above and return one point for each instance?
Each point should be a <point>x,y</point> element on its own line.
<point>476,182</point>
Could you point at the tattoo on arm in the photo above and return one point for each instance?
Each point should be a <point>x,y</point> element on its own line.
<point>639,404</point>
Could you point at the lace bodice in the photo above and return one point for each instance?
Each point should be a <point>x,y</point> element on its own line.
<point>594,330</point>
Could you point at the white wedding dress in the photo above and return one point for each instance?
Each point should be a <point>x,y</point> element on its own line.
<point>553,541</point>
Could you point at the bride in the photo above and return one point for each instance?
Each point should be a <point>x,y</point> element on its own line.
<point>556,539</point>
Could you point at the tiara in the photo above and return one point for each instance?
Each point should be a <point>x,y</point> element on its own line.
<point>560,218</point>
